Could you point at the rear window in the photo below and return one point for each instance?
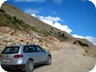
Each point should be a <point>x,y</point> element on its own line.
<point>10,50</point>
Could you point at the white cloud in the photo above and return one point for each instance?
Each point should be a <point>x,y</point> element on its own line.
<point>62,27</point>
<point>33,15</point>
<point>31,11</point>
<point>55,22</point>
<point>40,1</point>
<point>58,1</point>
<point>1,2</point>
<point>94,2</point>
<point>77,36</point>
<point>90,38</point>
<point>49,19</point>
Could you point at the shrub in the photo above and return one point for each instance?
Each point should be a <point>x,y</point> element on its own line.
<point>2,11</point>
<point>59,32</point>
<point>51,28</point>
<point>62,35</point>
<point>74,42</point>
<point>81,43</point>
<point>86,51</point>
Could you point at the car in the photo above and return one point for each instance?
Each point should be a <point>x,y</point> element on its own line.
<point>24,57</point>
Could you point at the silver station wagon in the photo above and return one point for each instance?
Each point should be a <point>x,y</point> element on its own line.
<point>23,57</point>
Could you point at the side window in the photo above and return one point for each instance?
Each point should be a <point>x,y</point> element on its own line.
<point>39,49</point>
<point>32,49</point>
<point>28,49</point>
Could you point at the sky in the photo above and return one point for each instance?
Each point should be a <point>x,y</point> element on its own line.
<point>76,17</point>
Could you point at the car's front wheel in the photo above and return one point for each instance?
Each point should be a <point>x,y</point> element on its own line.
<point>29,66</point>
<point>48,62</point>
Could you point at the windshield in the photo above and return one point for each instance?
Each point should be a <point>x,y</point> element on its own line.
<point>10,50</point>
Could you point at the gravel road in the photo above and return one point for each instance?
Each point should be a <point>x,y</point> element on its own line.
<point>69,60</point>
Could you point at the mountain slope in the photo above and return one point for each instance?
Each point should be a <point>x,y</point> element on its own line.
<point>23,24</point>
<point>28,19</point>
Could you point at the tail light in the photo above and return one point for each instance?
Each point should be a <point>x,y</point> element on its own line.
<point>18,56</point>
<point>0,56</point>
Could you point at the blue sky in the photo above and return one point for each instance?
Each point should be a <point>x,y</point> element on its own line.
<point>76,17</point>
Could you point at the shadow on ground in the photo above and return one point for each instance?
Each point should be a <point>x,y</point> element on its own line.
<point>35,67</point>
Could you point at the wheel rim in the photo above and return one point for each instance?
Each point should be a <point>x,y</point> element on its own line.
<point>49,60</point>
<point>30,67</point>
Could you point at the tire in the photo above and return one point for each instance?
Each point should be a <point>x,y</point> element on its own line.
<point>29,66</point>
<point>48,62</point>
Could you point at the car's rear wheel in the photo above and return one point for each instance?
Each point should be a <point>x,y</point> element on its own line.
<point>48,62</point>
<point>29,66</point>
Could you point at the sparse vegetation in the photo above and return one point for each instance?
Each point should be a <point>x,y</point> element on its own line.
<point>14,22</point>
<point>62,35</point>
<point>80,43</point>
<point>86,51</point>
<point>47,33</point>
<point>51,28</point>
<point>90,52</point>
<point>59,32</point>
<point>51,31</point>
<point>2,11</point>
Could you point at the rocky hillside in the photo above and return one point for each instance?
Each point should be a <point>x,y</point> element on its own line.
<point>17,27</point>
<point>30,20</point>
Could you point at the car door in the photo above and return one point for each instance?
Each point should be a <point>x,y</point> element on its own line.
<point>42,56</point>
<point>30,52</point>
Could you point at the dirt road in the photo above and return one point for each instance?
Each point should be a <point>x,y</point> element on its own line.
<point>68,60</point>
